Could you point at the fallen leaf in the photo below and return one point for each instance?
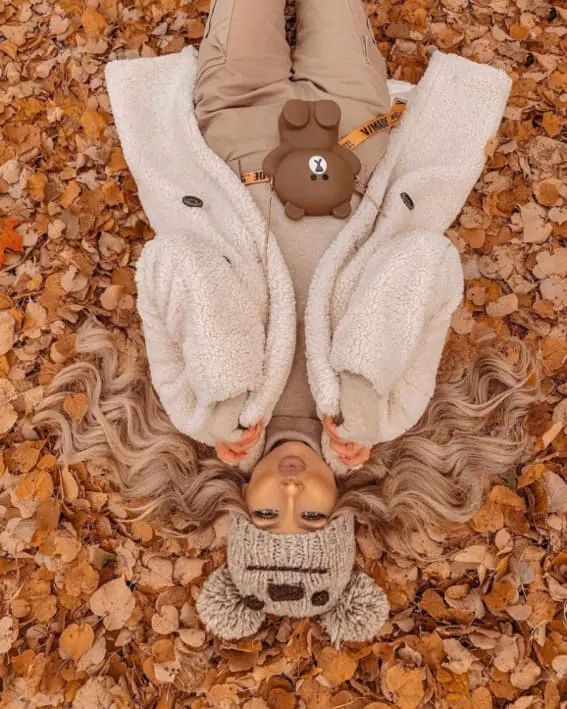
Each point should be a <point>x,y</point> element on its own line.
<point>114,602</point>
<point>406,685</point>
<point>525,674</point>
<point>76,405</point>
<point>336,666</point>
<point>8,633</point>
<point>75,640</point>
<point>93,22</point>
<point>9,238</point>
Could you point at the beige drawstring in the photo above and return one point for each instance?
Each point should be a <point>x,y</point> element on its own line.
<point>268,225</point>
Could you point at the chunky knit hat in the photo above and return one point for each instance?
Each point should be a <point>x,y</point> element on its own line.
<point>297,575</point>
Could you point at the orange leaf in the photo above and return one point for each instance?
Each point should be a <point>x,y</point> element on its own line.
<point>9,238</point>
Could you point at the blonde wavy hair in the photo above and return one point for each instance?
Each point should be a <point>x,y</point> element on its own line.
<point>471,434</point>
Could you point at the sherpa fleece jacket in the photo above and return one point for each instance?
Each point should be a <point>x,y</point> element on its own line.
<point>214,293</point>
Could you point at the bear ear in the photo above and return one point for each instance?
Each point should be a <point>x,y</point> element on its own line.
<point>224,612</point>
<point>327,113</point>
<point>360,612</point>
<point>296,113</point>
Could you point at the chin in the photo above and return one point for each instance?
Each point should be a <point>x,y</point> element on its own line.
<point>294,445</point>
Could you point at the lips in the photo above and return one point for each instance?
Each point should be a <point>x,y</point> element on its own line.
<point>291,465</point>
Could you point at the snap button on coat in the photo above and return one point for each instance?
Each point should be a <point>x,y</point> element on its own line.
<point>191,201</point>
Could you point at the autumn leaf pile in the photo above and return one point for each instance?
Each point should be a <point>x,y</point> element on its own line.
<point>96,611</point>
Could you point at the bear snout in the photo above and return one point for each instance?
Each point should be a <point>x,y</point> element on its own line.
<point>286,592</point>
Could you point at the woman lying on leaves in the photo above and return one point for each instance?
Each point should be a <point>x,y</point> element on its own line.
<point>295,305</point>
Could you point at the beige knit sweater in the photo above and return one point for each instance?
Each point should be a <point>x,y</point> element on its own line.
<point>302,243</point>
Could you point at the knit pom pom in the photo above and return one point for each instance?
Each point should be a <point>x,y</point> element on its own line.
<point>359,613</point>
<point>222,609</point>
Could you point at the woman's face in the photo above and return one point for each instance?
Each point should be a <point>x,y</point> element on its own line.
<point>291,490</point>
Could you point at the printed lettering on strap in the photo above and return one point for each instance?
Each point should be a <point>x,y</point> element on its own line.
<point>350,141</point>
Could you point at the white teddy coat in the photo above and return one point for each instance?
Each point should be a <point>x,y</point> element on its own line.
<point>214,293</point>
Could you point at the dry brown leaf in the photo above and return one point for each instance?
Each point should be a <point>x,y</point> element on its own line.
<point>8,633</point>
<point>69,485</point>
<point>93,22</point>
<point>336,666</point>
<point>26,455</point>
<point>75,640</point>
<point>187,570</point>
<point>71,253</point>
<point>76,405</point>
<point>114,602</point>
<point>559,664</point>
<point>525,674</point>
<point>406,686</point>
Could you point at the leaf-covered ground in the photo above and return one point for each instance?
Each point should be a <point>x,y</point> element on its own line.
<point>98,612</point>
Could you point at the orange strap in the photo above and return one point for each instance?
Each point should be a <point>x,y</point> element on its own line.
<point>350,141</point>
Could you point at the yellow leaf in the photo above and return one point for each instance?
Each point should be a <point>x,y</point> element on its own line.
<point>552,124</point>
<point>547,192</point>
<point>531,474</point>
<point>482,698</point>
<point>502,495</point>
<point>10,48</point>
<point>93,22</point>
<point>37,485</point>
<point>116,160</point>
<point>336,666</point>
<point>76,405</point>
<point>162,650</point>
<point>519,32</point>
<point>43,609</point>
<point>222,695</point>
<point>36,186</point>
<point>69,485</point>
<point>93,123</point>
<point>9,237</point>
<point>543,608</point>
<point>142,531</point>
<point>70,194</point>
<point>114,602</point>
<point>407,686</point>
<point>75,640</point>
<point>489,518</point>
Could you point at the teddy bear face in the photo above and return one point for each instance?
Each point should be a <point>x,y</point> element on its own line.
<point>314,183</point>
<point>299,575</point>
<point>312,173</point>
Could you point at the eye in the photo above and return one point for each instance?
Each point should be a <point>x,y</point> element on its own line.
<point>325,177</point>
<point>320,598</point>
<point>313,516</point>
<point>265,514</point>
<point>253,602</point>
<point>313,177</point>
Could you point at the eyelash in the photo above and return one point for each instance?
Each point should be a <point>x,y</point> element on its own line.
<point>265,514</point>
<point>273,514</point>
<point>313,516</point>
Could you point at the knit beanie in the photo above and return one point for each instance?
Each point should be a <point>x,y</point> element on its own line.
<point>298,575</point>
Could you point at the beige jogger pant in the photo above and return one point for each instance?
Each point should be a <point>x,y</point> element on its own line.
<point>246,73</point>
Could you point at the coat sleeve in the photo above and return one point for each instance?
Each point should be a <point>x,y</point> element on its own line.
<point>387,347</point>
<point>204,334</point>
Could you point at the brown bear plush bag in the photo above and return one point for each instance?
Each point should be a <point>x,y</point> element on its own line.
<point>311,173</point>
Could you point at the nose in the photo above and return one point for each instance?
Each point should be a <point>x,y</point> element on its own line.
<point>285,592</point>
<point>291,485</point>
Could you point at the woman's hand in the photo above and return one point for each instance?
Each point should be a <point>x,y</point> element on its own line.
<point>350,453</point>
<point>235,451</point>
